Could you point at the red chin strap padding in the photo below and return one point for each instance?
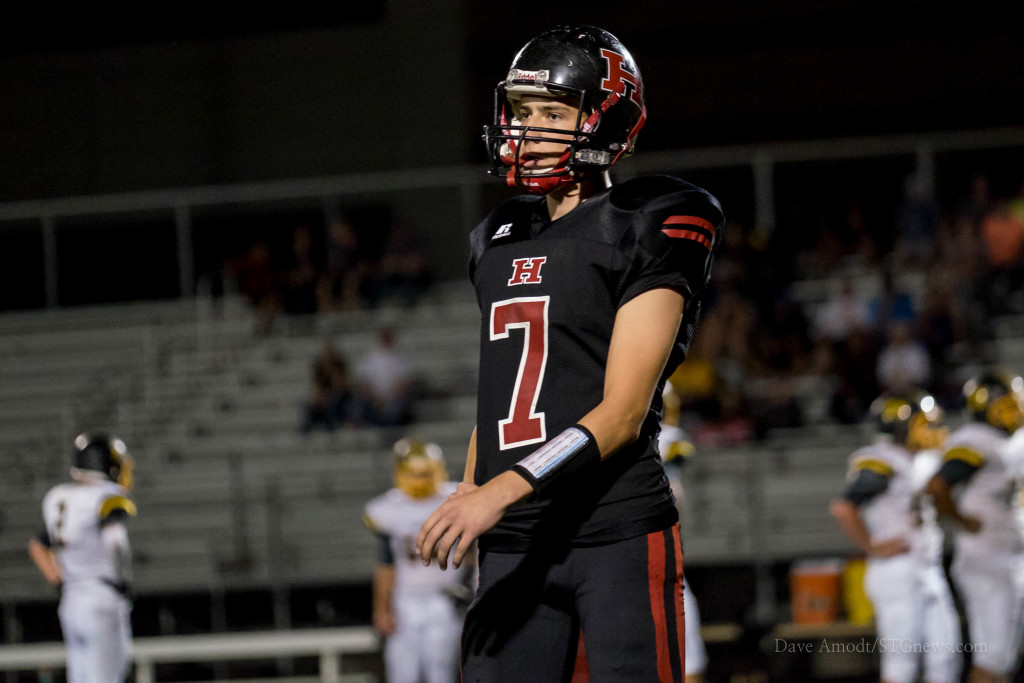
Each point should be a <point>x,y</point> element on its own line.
<point>542,184</point>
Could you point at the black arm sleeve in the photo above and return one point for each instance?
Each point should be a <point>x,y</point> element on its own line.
<point>117,515</point>
<point>44,538</point>
<point>866,486</point>
<point>384,554</point>
<point>956,471</point>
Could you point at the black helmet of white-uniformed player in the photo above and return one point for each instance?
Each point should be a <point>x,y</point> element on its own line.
<point>912,419</point>
<point>105,454</point>
<point>996,396</point>
<point>588,65</point>
<point>419,467</point>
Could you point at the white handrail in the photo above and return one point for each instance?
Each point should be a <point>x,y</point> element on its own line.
<point>330,644</point>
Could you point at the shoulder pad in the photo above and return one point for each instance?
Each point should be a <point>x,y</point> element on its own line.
<point>515,210</point>
<point>662,192</point>
<point>672,214</point>
<point>872,462</point>
<point>112,503</point>
<point>965,454</point>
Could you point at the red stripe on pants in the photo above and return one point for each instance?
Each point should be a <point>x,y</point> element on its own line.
<point>680,612</point>
<point>656,586</point>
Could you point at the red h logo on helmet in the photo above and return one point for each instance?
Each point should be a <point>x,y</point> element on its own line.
<point>619,73</point>
<point>526,271</point>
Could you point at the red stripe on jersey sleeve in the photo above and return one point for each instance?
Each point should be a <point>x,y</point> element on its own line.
<point>688,234</point>
<point>691,220</point>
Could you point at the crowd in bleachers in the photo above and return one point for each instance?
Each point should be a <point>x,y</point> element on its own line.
<point>377,392</point>
<point>336,267</point>
<point>905,302</point>
<point>801,326</point>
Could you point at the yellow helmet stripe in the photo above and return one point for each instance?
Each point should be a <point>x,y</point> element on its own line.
<point>117,503</point>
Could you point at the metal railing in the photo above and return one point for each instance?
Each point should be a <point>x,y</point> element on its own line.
<point>329,645</point>
<point>468,182</point>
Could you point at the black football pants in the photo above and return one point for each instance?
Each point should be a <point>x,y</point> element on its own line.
<point>626,597</point>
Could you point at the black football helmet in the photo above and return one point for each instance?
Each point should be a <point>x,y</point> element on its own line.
<point>97,452</point>
<point>912,419</point>
<point>592,67</point>
<point>996,396</point>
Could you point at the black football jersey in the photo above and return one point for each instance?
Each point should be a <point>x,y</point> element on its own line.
<point>548,293</point>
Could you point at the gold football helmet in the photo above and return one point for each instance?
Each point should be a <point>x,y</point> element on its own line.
<point>912,419</point>
<point>996,396</point>
<point>419,467</point>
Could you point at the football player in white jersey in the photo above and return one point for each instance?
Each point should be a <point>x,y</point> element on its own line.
<point>84,549</point>
<point>886,513</point>
<point>418,609</point>
<point>676,446</point>
<point>977,488</point>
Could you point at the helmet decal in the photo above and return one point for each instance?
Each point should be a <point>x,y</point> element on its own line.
<point>619,76</point>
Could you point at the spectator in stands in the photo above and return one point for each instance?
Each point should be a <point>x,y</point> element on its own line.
<point>825,255</point>
<point>403,273</point>
<point>385,381</point>
<point>697,381</point>
<point>903,363</point>
<point>979,201</point>
<point>330,404</point>
<point>854,367</point>
<point>918,218</point>
<point>779,407</point>
<point>727,423</point>
<point>961,265</point>
<point>257,280</point>
<point>738,264</point>
<point>785,340</point>
<point>342,282</point>
<point>301,274</point>
<point>846,309</point>
<point>892,305</point>
<point>1003,232</point>
<point>940,325</point>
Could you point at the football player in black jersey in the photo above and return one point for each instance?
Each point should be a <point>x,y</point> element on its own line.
<point>590,295</point>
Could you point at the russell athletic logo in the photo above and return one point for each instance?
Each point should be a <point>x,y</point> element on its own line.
<point>503,231</point>
<point>526,271</point>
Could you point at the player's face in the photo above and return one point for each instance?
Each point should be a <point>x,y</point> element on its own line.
<point>550,113</point>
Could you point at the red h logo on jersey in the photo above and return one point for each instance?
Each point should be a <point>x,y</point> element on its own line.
<point>526,271</point>
<point>617,74</point>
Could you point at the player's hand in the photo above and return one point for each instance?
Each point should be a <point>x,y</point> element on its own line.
<point>383,622</point>
<point>465,516</point>
<point>970,524</point>
<point>890,548</point>
<point>463,488</point>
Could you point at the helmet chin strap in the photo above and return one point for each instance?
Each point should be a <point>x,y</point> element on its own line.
<point>551,180</point>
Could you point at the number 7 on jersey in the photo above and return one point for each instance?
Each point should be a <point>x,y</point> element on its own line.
<point>524,425</point>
